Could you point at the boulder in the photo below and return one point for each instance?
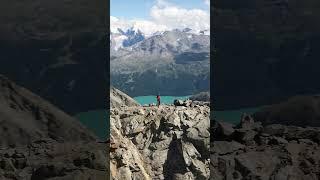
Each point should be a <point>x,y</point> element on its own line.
<point>224,129</point>
<point>225,147</point>
<point>178,102</point>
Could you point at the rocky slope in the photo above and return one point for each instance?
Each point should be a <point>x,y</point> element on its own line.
<point>169,142</point>
<point>118,98</point>
<point>270,46</point>
<point>52,160</point>
<point>39,141</point>
<point>26,117</point>
<point>252,151</point>
<point>57,50</point>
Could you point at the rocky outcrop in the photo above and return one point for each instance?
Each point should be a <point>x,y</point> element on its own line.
<point>166,142</point>
<point>252,151</point>
<point>118,98</point>
<point>39,141</point>
<point>203,96</point>
<point>49,159</point>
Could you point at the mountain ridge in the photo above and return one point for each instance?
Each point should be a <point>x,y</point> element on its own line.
<point>174,61</point>
<point>34,118</point>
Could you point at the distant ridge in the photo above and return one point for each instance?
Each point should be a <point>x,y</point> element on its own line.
<point>26,117</point>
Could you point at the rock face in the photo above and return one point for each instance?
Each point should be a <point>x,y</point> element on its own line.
<point>39,141</point>
<point>169,142</point>
<point>252,151</point>
<point>26,117</point>
<point>118,98</point>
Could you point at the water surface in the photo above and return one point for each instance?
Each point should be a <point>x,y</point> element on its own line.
<point>97,121</point>
<point>233,116</point>
<point>164,99</point>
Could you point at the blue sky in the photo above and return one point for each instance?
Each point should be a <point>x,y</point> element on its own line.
<point>140,9</point>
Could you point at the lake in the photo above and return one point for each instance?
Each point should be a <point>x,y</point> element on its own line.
<point>97,121</point>
<point>233,116</point>
<point>164,99</point>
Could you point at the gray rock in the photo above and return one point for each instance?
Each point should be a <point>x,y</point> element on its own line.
<point>178,102</point>
<point>164,142</point>
<point>225,147</point>
<point>118,98</point>
<point>225,129</point>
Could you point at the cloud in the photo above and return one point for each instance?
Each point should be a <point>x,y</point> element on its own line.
<point>166,16</point>
<point>147,27</point>
<point>176,17</point>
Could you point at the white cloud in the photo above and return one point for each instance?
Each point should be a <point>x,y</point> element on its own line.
<point>176,17</point>
<point>165,16</point>
<point>147,27</point>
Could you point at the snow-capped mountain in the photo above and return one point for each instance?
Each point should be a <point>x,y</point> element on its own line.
<point>132,37</point>
<point>128,38</point>
<point>125,38</point>
<point>169,61</point>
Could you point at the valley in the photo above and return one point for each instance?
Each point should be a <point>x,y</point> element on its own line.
<point>174,62</point>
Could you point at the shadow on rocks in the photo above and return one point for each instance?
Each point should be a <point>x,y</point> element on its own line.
<point>175,163</point>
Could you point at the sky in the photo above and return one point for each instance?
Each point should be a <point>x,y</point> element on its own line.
<point>158,15</point>
<point>140,9</point>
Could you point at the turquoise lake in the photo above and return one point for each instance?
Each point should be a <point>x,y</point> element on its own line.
<point>97,121</point>
<point>164,99</point>
<point>232,116</point>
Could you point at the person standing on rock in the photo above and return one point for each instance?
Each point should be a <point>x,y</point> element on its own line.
<point>158,100</point>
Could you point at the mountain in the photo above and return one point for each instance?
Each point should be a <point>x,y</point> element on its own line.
<point>57,50</point>
<point>26,117</point>
<point>133,37</point>
<point>40,141</point>
<point>166,142</point>
<point>123,39</point>
<point>173,62</point>
<point>126,37</point>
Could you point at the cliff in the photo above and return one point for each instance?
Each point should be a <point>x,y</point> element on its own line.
<point>166,142</point>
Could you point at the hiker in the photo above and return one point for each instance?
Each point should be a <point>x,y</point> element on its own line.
<point>158,100</point>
